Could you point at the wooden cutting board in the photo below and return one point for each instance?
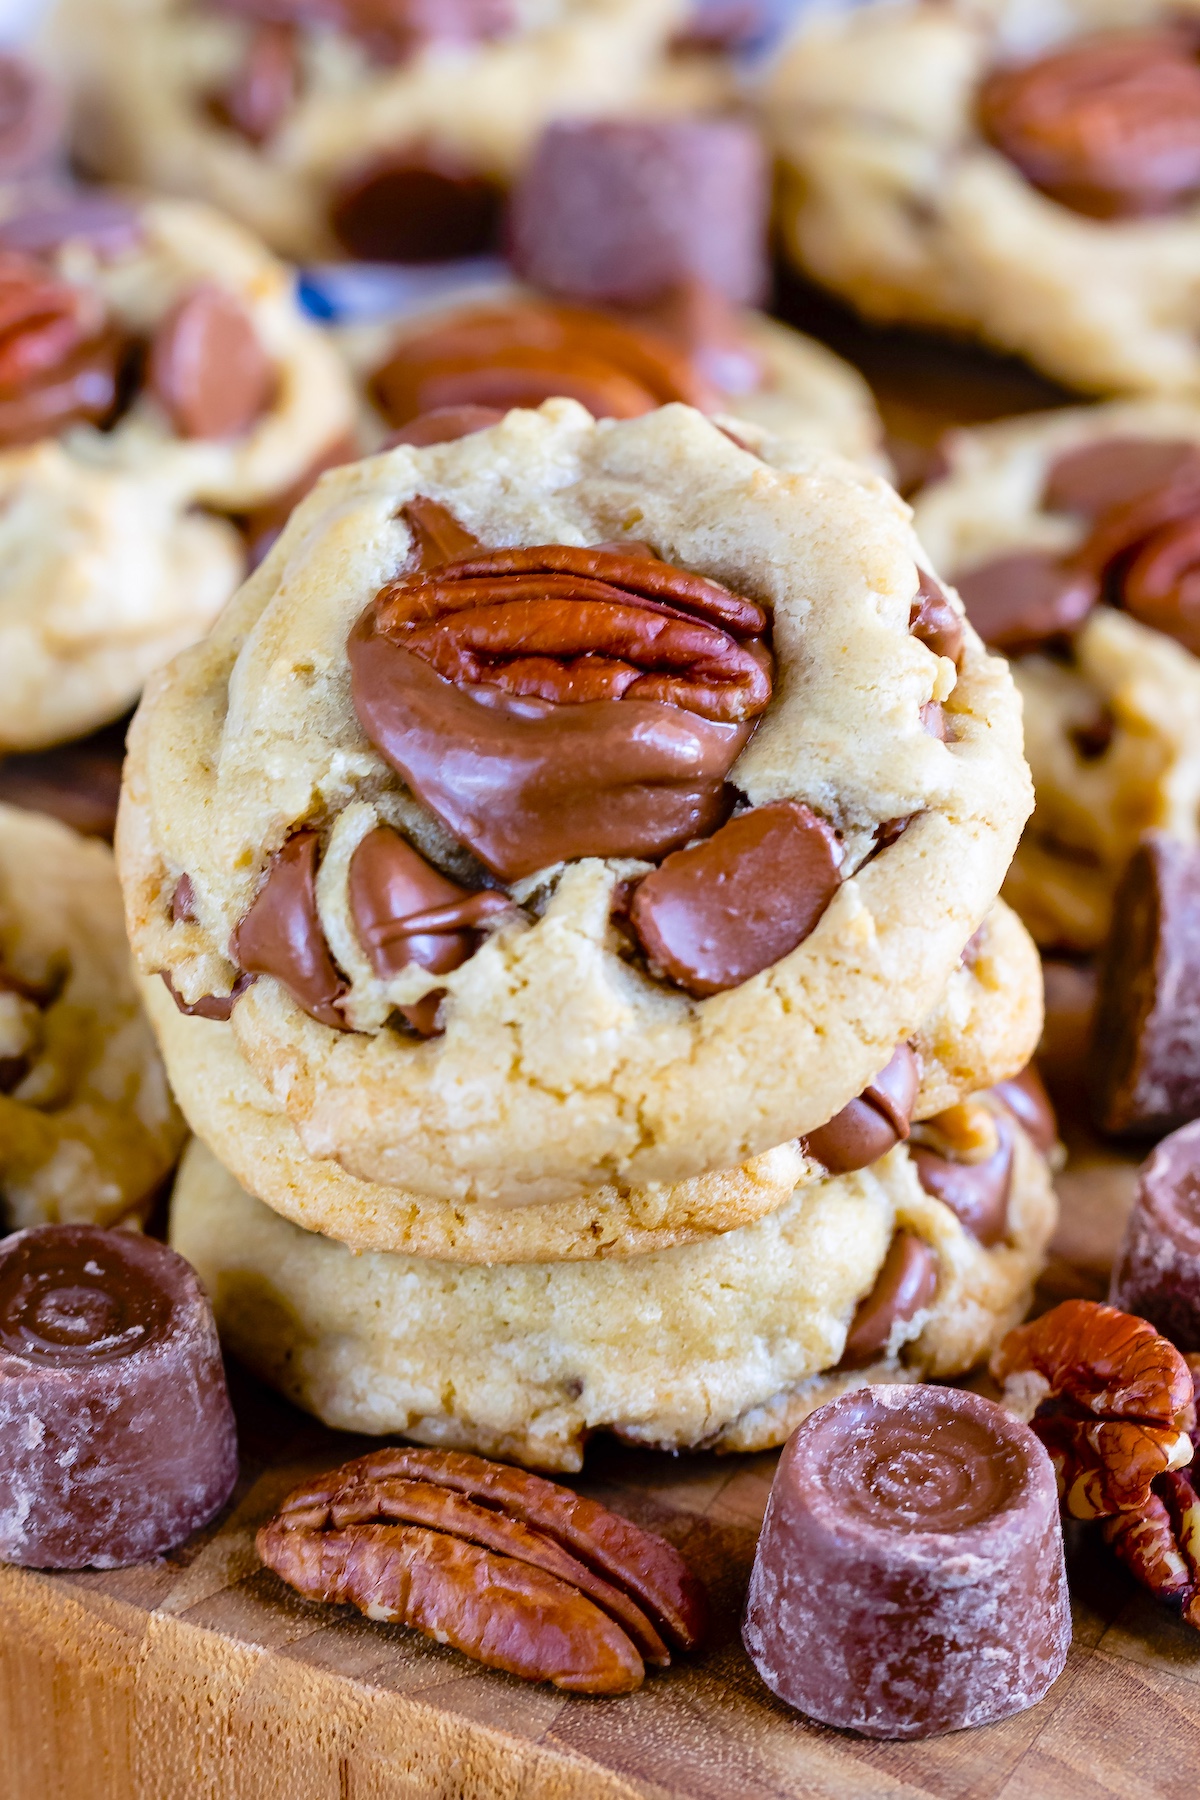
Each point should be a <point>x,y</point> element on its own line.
<point>201,1677</point>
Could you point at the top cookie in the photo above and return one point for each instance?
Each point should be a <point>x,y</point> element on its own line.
<point>407,764</point>
<point>349,127</point>
<point>1027,173</point>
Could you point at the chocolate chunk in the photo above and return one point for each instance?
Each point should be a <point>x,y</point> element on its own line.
<point>721,911</point>
<point>976,1193</point>
<point>1026,1098</point>
<point>208,1006</point>
<point>1094,478</point>
<point>905,1285</point>
<point>934,621</point>
<point>871,1125</point>
<point>1161,586</point>
<point>1025,598</point>
<point>437,535</point>
<point>1145,1051</point>
<point>116,1434</point>
<point>910,1578</point>
<point>623,210</point>
<point>1157,1275</point>
<point>281,933</point>
<point>207,366</point>
<point>1108,125</point>
<point>1094,737</point>
<point>417,205</point>
<point>263,90</point>
<point>405,911</point>
<point>32,117</point>
<point>445,425</point>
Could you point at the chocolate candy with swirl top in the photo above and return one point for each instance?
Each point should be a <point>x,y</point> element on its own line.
<point>909,1579</point>
<point>116,1434</point>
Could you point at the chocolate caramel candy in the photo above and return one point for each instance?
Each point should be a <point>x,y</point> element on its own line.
<point>1026,1099</point>
<point>116,1434</point>
<point>406,912</point>
<point>1157,1275</point>
<point>417,204</point>
<point>1144,1064</point>
<point>620,211</point>
<point>905,1285</point>
<point>1107,125</point>
<point>871,1124</point>
<point>1026,598</point>
<point>281,933</point>
<point>723,910</point>
<point>909,1579</point>
<point>207,367</point>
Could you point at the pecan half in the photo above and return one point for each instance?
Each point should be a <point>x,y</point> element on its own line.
<point>1110,1398</point>
<point>1108,125</point>
<point>58,362</point>
<point>1160,1542</point>
<point>556,701</point>
<point>520,355</point>
<point>515,1571</point>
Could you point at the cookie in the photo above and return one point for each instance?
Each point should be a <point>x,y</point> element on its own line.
<point>1069,535</point>
<point>983,1030</point>
<point>613,1008</point>
<point>1031,180</point>
<point>156,373</point>
<point>88,1128</point>
<point>352,129</point>
<point>725,1344</point>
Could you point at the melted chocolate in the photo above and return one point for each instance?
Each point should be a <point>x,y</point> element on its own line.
<point>417,205</point>
<point>281,933</point>
<point>209,1006</point>
<point>1161,586</point>
<point>1027,1100</point>
<point>909,1578</point>
<point>906,1283</point>
<point>107,1343</point>
<point>1157,1275</point>
<point>527,783</point>
<point>207,367</point>
<point>406,912</point>
<point>871,1125</point>
<point>934,621</point>
<point>1026,598</point>
<point>976,1193</point>
<point>722,911</point>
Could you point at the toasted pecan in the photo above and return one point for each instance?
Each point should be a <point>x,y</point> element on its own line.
<point>1110,1398</point>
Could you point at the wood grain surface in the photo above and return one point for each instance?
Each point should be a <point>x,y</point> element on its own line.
<point>201,1677</point>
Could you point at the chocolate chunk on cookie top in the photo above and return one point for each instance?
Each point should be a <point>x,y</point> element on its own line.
<point>1145,1054</point>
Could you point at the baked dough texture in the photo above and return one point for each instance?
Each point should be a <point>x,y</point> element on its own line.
<point>809,397</point>
<point>142,71</point>
<point>984,1029</point>
<point>107,567</point>
<point>724,1345</point>
<point>88,1128</point>
<point>892,197</point>
<point>563,1067</point>
<point>1090,811</point>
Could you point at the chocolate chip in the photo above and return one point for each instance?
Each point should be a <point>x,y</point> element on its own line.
<point>905,1285</point>
<point>281,933</point>
<point>1145,1051</point>
<point>723,910</point>
<point>417,205</point>
<point>621,211</point>
<point>183,902</point>
<point>1094,736</point>
<point>871,1124</point>
<point>1026,598</point>
<point>207,366</point>
<point>209,1006</point>
<point>934,621</point>
<point>1093,478</point>
<point>976,1193</point>
<point>1026,1099</point>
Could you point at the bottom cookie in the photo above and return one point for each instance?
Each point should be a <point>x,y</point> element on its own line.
<point>724,1344</point>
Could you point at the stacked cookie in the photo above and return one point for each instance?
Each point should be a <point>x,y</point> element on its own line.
<point>567,874</point>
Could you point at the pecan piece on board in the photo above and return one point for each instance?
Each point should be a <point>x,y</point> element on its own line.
<point>1160,1543</point>
<point>512,1569</point>
<point>1109,1397</point>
